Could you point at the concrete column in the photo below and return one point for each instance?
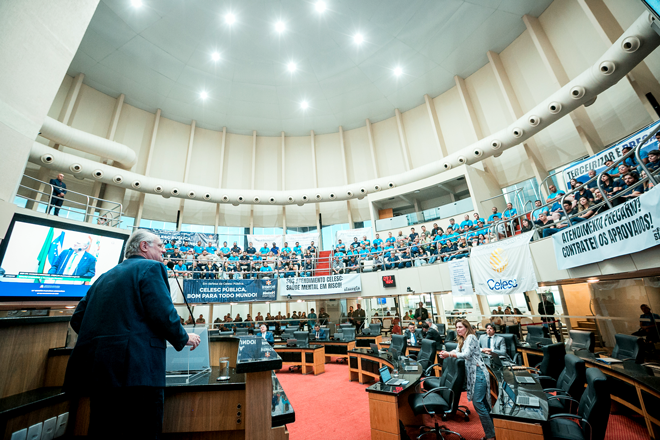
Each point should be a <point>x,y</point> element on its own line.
<point>222,165</point>
<point>186,170</point>
<point>344,165</point>
<point>515,111</point>
<point>109,210</point>
<point>370,135</point>
<point>147,169</point>
<point>640,78</point>
<point>583,124</point>
<point>65,118</point>
<point>282,146</point>
<point>475,127</point>
<point>435,126</point>
<point>254,175</point>
<point>407,160</point>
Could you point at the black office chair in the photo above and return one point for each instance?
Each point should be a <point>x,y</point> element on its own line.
<point>536,336</point>
<point>343,326</point>
<point>429,382</point>
<point>441,400</point>
<point>451,336</point>
<point>513,329</point>
<point>288,334</point>
<point>426,355</point>
<point>451,346</point>
<point>442,329</point>
<point>582,340</point>
<point>398,346</point>
<point>511,345</point>
<point>348,334</point>
<point>628,348</point>
<point>593,412</point>
<point>570,386</point>
<point>479,333</point>
<point>242,331</point>
<point>372,330</point>
<point>551,367</point>
<point>302,337</point>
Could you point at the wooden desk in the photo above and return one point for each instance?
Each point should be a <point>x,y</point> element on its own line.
<point>338,349</point>
<point>365,341</point>
<point>310,358</point>
<point>630,384</point>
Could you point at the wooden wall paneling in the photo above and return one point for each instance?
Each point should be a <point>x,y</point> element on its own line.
<point>26,420</point>
<point>206,411</point>
<point>24,353</point>
<point>55,370</point>
<point>259,396</point>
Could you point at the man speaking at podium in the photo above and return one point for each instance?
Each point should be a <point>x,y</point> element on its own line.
<point>119,358</point>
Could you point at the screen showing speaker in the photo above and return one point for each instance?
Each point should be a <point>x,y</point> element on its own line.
<point>42,259</point>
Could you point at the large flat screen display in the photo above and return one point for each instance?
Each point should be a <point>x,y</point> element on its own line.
<point>654,6</point>
<point>47,260</point>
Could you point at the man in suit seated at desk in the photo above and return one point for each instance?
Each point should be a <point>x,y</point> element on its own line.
<point>410,335</point>
<point>268,336</point>
<point>432,334</point>
<point>319,334</point>
<point>492,343</point>
<point>75,261</point>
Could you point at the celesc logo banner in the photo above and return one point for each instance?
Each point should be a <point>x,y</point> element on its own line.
<point>503,267</point>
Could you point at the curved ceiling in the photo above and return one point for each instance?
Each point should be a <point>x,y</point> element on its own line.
<point>160,55</point>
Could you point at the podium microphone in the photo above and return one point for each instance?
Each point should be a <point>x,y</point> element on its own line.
<point>185,299</point>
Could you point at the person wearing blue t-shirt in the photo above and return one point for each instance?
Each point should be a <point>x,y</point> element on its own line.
<point>390,239</point>
<point>274,249</point>
<point>170,247</point>
<point>353,266</point>
<point>264,249</point>
<point>467,223</point>
<point>391,262</point>
<point>365,241</point>
<point>265,271</point>
<point>297,249</point>
<point>198,248</point>
<point>225,250</point>
<point>307,269</point>
<point>210,248</point>
<point>509,214</point>
<point>539,210</point>
<point>232,262</point>
<point>363,253</point>
<point>340,246</point>
<point>311,248</point>
<point>286,248</point>
<point>555,196</point>
<point>387,250</point>
<point>185,247</point>
<point>377,240</point>
<point>236,248</point>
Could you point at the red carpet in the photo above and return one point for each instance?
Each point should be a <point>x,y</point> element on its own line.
<point>329,407</point>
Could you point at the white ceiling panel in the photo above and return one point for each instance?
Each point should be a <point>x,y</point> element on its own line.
<point>159,56</point>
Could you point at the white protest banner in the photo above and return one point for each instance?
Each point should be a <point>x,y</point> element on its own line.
<point>259,240</point>
<point>622,230</point>
<point>596,162</point>
<point>459,272</point>
<point>303,239</point>
<point>324,285</point>
<point>503,267</point>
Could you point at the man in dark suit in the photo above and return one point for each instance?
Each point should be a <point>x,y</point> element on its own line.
<point>264,333</point>
<point>492,343</point>
<point>75,261</point>
<point>421,314</point>
<point>411,337</point>
<point>57,198</point>
<point>123,324</point>
<point>358,317</point>
<point>319,334</point>
<point>432,334</point>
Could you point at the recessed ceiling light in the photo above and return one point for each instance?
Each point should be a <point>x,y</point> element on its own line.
<point>320,6</point>
<point>230,18</point>
<point>203,95</point>
<point>593,280</point>
<point>398,71</point>
<point>304,105</point>
<point>280,26</point>
<point>136,3</point>
<point>358,38</point>
<point>291,66</point>
<point>215,56</point>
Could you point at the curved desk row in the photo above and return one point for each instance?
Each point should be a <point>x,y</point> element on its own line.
<point>632,385</point>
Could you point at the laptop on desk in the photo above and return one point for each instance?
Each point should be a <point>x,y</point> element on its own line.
<point>386,377</point>
<point>533,402</point>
